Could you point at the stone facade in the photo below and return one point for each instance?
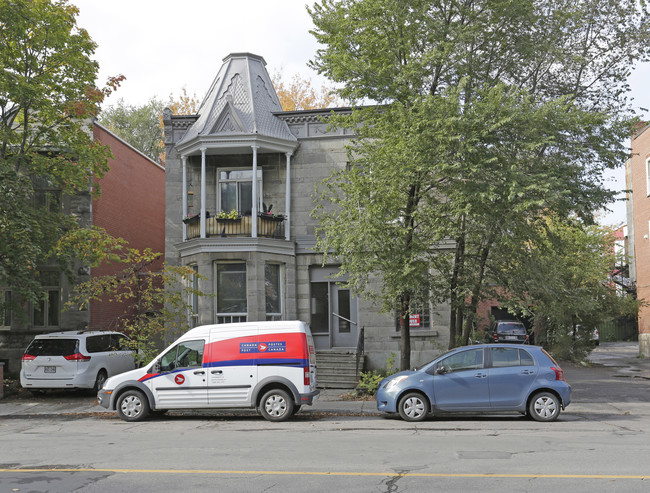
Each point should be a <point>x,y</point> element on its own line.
<point>293,151</point>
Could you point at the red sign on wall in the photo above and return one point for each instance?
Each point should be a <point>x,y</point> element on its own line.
<point>414,320</point>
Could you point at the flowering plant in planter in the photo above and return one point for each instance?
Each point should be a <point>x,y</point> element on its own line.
<point>271,216</point>
<point>233,215</point>
<point>192,218</point>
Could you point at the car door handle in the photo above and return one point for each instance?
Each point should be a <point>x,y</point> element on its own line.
<point>216,372</point>
<point>481,375</point>
<point>199,372</point>
<point>527,372</point>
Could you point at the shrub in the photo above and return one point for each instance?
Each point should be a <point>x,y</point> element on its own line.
<point>369,380</point>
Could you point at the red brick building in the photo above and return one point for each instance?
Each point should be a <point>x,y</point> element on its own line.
<point>132,207</point>
<point>638,174</point>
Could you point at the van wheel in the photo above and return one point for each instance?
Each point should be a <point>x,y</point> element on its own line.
<point>132,406</point>
<point>276,405</point>
<point>100,380</point>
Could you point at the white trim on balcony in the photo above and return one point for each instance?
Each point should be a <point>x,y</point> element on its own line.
<point>236,244</point>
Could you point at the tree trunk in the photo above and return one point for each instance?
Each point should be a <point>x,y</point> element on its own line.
<point>457,274</point>
<point>476,292</point>
<point>405,334</point>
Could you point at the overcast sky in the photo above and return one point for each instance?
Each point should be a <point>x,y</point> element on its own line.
<point>162,46</point>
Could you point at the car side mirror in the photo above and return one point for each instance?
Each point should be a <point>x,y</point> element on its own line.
<point>156,366</point>
<point>441,371</point>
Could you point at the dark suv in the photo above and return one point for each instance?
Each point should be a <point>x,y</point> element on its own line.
<point>507,331</point>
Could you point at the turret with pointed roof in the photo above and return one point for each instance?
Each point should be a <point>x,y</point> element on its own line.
<point>239,109</point>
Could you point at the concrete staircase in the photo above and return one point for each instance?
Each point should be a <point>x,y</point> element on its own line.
<point>336,369</point>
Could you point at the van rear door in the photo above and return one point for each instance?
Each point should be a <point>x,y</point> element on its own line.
<point>312,362</point>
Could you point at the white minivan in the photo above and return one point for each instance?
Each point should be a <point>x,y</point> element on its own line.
<point>75,360</point>
<point>267,366</point>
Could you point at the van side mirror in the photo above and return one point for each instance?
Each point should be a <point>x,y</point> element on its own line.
<point>156,366</point>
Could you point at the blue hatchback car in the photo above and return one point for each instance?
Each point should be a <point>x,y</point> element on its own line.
<point>483,378</point>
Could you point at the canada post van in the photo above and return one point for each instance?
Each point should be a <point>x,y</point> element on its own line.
<point>268,366</point>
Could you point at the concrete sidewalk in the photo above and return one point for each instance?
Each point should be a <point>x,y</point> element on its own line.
<point>622,357</point>
<point>75,403</point>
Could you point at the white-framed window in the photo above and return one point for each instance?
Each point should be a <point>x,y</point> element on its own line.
<point>235,190</point>
<point>420,314</point>
<point>193,297</point>
<point>5,310</point>
<point>230,288</point>
<point>273,291</point>
<point>47,312</point>
<point>647,176</point>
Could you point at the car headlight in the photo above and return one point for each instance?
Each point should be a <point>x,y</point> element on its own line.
<point>395,381</point>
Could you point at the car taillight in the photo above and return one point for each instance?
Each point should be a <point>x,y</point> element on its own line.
<point>496,337</point>
<point>307,376</point>
<point>559,373</point>
<point>77,357</point>
<point>28,357</point>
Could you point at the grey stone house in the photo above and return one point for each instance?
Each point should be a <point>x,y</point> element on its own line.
<point>241,156</point>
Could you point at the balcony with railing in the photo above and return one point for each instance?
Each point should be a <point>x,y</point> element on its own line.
<point>268,226</point>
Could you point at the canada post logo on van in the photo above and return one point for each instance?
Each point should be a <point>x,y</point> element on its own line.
<point>263,347</point>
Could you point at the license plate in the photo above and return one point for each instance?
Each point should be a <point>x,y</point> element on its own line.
<point>50,369</point>
<point>511,338</point>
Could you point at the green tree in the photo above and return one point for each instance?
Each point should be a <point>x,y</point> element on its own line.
<point>493,113</point>
<point>47,97</point>
<point>155,298</point>
<point>142,126</point>
<point>562,280</point>
<point>137,125</point>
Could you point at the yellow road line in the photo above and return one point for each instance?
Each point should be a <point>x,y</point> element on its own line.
<point>339,473</point>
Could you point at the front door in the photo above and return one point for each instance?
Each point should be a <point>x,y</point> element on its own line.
<point>463,383</point>
<point>333,310</point>
<point>344,332</point>
<point>182,382</point>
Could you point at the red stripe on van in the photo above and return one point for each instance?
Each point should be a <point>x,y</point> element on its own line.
<point>295,347</point>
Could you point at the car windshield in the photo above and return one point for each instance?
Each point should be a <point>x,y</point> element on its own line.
<point>52,347</point>
<point>436,358</point>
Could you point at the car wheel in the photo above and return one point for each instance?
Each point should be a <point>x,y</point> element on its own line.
<point>276,405</point>
<point>132,405</point>
<point>413,407</point>
<point>100,380</point>
<point>544,406</point>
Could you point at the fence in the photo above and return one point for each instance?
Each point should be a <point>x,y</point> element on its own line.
<point>621,329</point>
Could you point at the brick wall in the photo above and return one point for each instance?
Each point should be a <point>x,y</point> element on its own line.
<point>131,206</point>
<point>641,201</point>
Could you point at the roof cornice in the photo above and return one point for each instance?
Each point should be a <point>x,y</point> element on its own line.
<point>236,141</point>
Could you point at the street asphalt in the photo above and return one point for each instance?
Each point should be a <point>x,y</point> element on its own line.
<point>619,359</point>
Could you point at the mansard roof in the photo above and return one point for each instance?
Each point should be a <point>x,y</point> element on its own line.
<point>239,109</point>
